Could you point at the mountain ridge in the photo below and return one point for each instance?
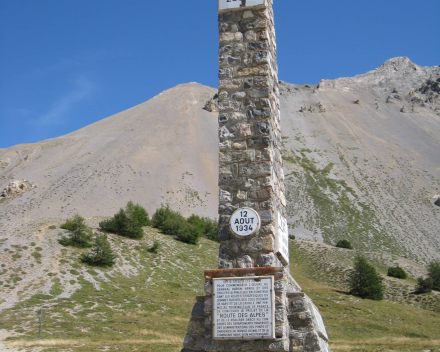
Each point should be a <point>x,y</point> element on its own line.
<point>360,163</point>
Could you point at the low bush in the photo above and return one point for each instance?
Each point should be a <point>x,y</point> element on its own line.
<point>432,282</point>
<point>364,281</point>
<point>52,227</point>
<point>211,229</point>
<point>186,230</point>
<point>205,227</point>
<point>101,253</point>
<point>434,274</point>
<point>423,285</point>
<point>79,234</point>
<point>344,244</point>
<point>154,248</point>
<point>397,272</point>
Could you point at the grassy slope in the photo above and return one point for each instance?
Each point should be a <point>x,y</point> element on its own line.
<point>144,304</point>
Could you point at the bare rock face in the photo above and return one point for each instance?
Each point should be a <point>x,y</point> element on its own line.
<point>212,104</point>
<point>15,188</point>
<point>399,72</point>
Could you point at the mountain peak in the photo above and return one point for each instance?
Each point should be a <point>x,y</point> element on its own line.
<point>398,72</point>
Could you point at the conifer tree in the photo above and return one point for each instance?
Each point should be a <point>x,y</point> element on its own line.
<point>364,280</point>
<point>100,254</point>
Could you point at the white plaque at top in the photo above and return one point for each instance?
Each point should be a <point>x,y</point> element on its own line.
<point>244,222</point>
<point>243,308</point>
<point>282,239</point>
<point>237,4</point>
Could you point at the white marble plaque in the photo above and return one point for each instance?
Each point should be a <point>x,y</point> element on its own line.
<point>236,4</point>
<point>282,239</point>
<point>243,308</point>
<point>244,222</point>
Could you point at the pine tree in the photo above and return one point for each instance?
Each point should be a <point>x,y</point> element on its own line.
<point>79,234</point>
<point>101,253</point>
<point>364,281</point>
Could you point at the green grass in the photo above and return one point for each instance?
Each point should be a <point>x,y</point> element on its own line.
<point>149,309</point>
<point>354,324</point>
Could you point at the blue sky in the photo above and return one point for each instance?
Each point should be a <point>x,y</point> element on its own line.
<point>66,64</point>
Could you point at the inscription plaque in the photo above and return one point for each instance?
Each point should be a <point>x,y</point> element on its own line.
<point>236,4</point>
<point>282,239</point>
<point>244,222</point>
<point>243,308</point>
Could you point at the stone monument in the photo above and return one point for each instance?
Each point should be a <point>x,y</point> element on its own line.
<point>251,301</point>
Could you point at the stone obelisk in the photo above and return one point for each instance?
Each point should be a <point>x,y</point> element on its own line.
<point>251,301</point>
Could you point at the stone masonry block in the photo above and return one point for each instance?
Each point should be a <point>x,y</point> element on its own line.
<point>262,70</point>
<point>301,321</point>
<point>311,342</point>
<point>208,288</point>
<point>297,303</point>
<point>196,342</point>
<point>261,194</point>
<point>208,305</point>
<point>199,307</point>
<point>265,260</point>
<point>245,262</point>
<point>259,142</point>
<point>259,113</point>
<point>259,93</point>
<point>266,216</point>
<point>230,37</point>
<point>230,83</point>
<point>227,209</point>
<point>225,196</point>
<point>224,234</point>
<point>257,244</point>
<point>196,326</point>
<point>256,170</point>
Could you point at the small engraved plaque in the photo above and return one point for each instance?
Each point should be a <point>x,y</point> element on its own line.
<point>243,308</point>
<point>237,4</point>
<point>282,239</point>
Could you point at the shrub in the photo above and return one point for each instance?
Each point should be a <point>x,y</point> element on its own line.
<point>211,229</point>
<point>79,233</point>
<point>69,225</point>
<point>423,285</point>
<point>204,227</point>
<point>154,248</point>
<point>344,244</point>
<point>186,230</point>
<point>364,281</point>
<point>198,224</point>
<point>101,253</point>
<point>188,233</point>
<point>397,272</point>
<point>52,227</point>
<point>434,274</point>
<point>161,214</point>
<point>122,225</point>
<point>138,214</point>
<point>292,237</point>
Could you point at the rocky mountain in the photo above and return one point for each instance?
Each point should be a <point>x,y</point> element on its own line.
<point>361,155</point>
<point>161,151</point>
<point>362,159</point>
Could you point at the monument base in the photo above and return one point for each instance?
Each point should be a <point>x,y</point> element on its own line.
<point>298,323</point>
